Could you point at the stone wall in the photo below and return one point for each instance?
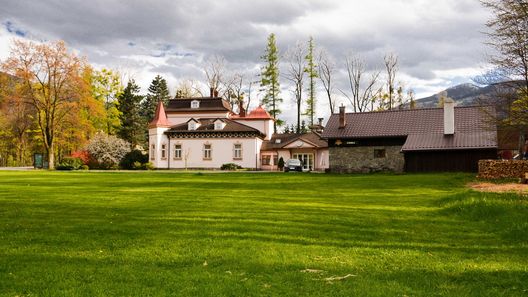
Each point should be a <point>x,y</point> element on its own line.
<point>361,159</point>
<point>502,168</point>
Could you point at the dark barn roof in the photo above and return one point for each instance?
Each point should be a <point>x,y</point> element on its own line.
<point>206,104</point>
<point>424,128</point>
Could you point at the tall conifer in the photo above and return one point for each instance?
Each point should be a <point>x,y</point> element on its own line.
<point>270,81</point>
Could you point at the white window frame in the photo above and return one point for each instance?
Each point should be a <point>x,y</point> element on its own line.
<point>207,152</point>
<point>164,151</point>
<point>219,125</point>
<point>177,151</point>
<point>153,152</point>
<point>195,104</point>
<point>192,125</point>
<point>237,152</point>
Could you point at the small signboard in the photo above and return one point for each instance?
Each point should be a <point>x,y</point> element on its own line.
<point>38,161</point>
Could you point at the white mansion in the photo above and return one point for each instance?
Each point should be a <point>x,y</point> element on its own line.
<point>204,133</point>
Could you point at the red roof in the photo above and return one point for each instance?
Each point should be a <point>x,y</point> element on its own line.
<point>160,118</point>
<point>258,113</point>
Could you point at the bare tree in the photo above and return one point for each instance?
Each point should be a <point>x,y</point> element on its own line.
<point>250,86</point>
<point>362,92</point>
<point>326,71</point>
<point>391,67</point>
<point>214,72</point>
<point>234,87</point>
<point>295,73</point>
<point>187,89</point>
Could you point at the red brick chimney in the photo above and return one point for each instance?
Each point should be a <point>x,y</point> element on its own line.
<point>211,92</point>
<point>215,93</point>
<point>241,109</point>
<point>342,120</point>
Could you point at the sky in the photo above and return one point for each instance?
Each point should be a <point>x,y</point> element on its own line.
<point>439,43</point>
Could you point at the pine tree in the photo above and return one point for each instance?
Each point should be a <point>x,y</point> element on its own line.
<point>270,81</point>
<point>157,91</point>
<point>133,124</point>
<point>311,70</point>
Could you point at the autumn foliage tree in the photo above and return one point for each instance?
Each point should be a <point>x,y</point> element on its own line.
<point>52,82</point>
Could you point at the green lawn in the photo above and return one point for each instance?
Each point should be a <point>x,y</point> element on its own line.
<point>243,234</point>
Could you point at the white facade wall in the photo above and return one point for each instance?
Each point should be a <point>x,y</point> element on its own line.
<point>264,126</point>
<point>157,138</point>
<point>222,152</point>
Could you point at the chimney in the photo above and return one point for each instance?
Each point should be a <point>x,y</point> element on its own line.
<point>320,121</point>
<point>342,120</point>
<point>216,93</point>
<point>241,110</point>
<point>211,92</point>
<point>449,116</point>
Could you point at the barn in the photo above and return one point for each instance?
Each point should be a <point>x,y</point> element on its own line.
<point>413,140</point>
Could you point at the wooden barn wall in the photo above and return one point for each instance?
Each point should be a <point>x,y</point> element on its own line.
<point>447,161</point>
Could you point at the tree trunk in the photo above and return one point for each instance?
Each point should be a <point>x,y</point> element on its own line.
<point>522,145</point>
<point>51,156</point>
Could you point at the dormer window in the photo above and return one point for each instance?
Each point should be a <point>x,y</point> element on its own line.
<point>193,125</point>
<point>195,104</point>
<point>219,125</point>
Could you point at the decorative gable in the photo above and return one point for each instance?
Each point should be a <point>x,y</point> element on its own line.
<point>299,144</point>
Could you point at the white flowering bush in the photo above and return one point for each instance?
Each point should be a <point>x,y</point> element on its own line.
<point>107,150</point>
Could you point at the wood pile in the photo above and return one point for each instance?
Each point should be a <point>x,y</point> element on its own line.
<point>494,169</point>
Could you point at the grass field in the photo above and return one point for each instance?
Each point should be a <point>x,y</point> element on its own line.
<point>243,234</point>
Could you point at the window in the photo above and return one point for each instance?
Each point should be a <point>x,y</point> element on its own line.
<point>219,125</point>
<point>266,159</point>
<point>177,151</point>
<point>237,151</point>
<point>275,159</point>
<point>163,151</point>
<point>153,152</point>
<point>381,153</point>
<point>207,152</point>
<point>192,125</point>
<point>195,104</point>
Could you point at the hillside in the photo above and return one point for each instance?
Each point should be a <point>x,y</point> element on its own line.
<point>464,95</point>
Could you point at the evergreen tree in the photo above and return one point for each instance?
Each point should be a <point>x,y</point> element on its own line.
<point>311,70</point>
<point>270,81</point>
<point>133,124</point>
<point>157,91</point>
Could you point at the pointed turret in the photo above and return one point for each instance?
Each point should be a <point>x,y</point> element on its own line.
<point>160,118</point>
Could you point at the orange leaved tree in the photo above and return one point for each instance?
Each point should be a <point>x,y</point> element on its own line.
<point>52,83</point>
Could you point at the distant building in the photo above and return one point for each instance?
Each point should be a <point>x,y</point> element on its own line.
<point>413,140</point>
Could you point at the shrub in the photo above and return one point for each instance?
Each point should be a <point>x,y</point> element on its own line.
<point>133,157</point>
<point>230,166</point>
<point>147,166</point>
<point>83,155</point>
<point>107,151</point>
<point>84,167</point>
<point>69,163</point>
<point>280,163</point>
